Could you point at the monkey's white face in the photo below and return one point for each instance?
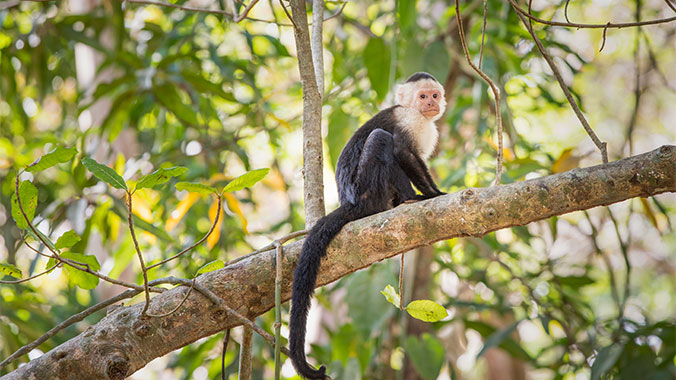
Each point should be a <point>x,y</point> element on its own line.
<point>426,96</point>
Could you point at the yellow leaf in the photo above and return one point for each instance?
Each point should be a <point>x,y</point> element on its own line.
<point>233,205</point>
<point>566,161</point>
<point>141,208</point>
<point>216,234</point>
<point>119,163</point>
<point>150,238</point>
<point>275,181</point>
<point>506,152</point>
<point>182,208</point>
<point>113,221</point>
<point>284,123</point>
<point>218,177</point>
<point>649,212</point>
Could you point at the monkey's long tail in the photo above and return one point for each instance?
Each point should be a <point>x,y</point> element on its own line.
<point>304,279</point>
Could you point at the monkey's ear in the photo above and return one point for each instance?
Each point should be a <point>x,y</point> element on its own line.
<point>399,94</point>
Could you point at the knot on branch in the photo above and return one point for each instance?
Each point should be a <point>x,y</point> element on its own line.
<point>142,328</point>
<point>117,366</point>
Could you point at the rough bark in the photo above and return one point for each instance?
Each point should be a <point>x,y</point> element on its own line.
<point>313,182</point>
<point>121,343</point>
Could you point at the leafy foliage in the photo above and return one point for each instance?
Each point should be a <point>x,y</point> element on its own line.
<point>193,97</point>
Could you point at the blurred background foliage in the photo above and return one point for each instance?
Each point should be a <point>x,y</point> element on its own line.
<point>138,87</point>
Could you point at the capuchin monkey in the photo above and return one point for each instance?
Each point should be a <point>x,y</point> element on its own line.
<point>374,173</point>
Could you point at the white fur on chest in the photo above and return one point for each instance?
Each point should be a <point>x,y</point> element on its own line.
<point>422,130</point>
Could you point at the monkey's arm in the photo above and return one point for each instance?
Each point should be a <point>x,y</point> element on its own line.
<point>417,171</point>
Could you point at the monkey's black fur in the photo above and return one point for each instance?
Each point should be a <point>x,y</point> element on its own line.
<point>374,173</point>
<point>418,76</point>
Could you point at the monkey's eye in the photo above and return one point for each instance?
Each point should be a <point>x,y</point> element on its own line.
<point>422,96</point>
<point>434,96</point>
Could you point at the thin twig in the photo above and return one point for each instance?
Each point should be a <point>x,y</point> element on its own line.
<point>565,11</point>
<point>196,9</point>
<point>401,282</point>
<point>483,33</point>
<point>245,354</point>
<point>278,312</point>
<point>607,263</point>
<point>624,248</point>
<point>225,346</point>
<point>599,144</point>
<point>281,2</point>
<point>177,306</point>
<point>670,5</point>
<point>130,223</point>
<point>637,83</point>
<point>23,241</point>
<point>653,63</point>
<point>29,278</point>
<point>246,11</point>
<point>603,43</point>
<point>590,26</point>
<point>496,92</point>
<point>337,13</point>
<point>181,7</point>
<point>213,226</point>
<point>268,247</point>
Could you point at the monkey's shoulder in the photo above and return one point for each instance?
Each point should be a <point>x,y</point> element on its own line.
<point>385,119</point>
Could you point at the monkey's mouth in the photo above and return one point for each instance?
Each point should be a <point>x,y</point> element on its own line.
<point>430,112</point>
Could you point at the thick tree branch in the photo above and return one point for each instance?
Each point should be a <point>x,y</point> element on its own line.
<point>121,343</point>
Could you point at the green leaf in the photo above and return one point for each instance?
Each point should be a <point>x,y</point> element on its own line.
<point>10,270</point>
<point>67,240</point>
<point>605,360</point>
<point>508,344</point>
<point>160,176</point>
<point>104,173</point>
<point>205,86</point>
<point>245,180</point>
<point>76,276</point>
<point>57,156</point>
<point>426,310</point>
<point>169,97</point>
<point>212,266</point>
<point>426,354</point>
<point>341,127</point>
<point>498,337</point>
<point>407,13</point>
<point>367,308</point>
<point>436,60</point>
<point>575,281</point>
<point>377,61</point>
<point>544,320</point>
<point>195,188</point>
<point>29,201</point>
<point>391,296</point>
<point>409,57</point>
